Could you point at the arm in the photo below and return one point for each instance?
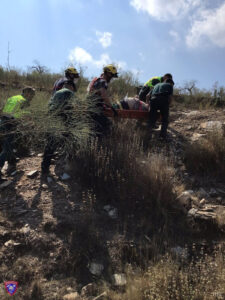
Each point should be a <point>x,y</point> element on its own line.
<point>105,97</point>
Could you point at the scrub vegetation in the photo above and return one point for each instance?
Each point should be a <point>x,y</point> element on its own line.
<point>121,207</point>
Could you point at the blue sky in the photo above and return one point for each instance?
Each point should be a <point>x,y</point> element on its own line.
<point>147,37</point>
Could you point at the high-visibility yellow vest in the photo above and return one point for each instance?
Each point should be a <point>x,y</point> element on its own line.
<point>153,81</point>
<point>13,106</point>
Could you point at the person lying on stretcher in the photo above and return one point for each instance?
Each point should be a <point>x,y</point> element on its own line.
<point>132,103</point>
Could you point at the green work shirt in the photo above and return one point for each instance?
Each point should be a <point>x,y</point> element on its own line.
<point>162,89</point>
<point>61,101</point>
<point>153,81</point>
<point>15,106</point>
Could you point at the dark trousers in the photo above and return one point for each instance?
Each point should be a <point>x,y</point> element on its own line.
<point>7,140</point>
<point>161,104</point>
<point>7,154</point>
<point>56,142</point>
<point>53,143</point>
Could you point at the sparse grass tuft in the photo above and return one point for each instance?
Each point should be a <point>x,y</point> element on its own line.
<point>168,278</point>
<point>207,156</point>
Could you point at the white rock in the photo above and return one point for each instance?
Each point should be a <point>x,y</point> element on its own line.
<point>32,174</point>
<point>72,296</point>
<point>202,202</point>
<point>96,269</point>
<point>191,113</point>
<point>5,184</point>
<point>119,279</point>
<point>11,243</point>
<point>192,212</point>
<point>65,176</point>
<point>25,229</point>
<point>211,125</point>
<point>44,186</point>
<point>40,155</point>
<point>112,211</point>
<point>107,208</point>
<point>188,192</point>
<point>196,136</point>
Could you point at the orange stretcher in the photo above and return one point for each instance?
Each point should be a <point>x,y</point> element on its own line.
<point>127,114</point>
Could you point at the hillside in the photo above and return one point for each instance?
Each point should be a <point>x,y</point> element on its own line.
<point>121,211</point>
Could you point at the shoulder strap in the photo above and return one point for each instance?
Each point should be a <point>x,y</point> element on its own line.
<point>91,85</point>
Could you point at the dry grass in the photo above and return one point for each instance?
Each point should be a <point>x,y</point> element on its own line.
<point>34,127</point>
<point>202,278</point>
<point>207,156</point>
<point>121,174</point>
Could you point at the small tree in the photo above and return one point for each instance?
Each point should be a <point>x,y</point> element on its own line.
<point>190,86</point>
<point>38,67</point>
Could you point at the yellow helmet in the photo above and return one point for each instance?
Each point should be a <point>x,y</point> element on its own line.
<point>72,71</point>
<point>111,69</point>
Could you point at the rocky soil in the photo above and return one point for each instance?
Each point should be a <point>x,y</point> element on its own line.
<point>48,243</point>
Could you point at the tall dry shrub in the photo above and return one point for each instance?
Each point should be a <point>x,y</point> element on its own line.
<point>121,174</point>
<point>37,125</point>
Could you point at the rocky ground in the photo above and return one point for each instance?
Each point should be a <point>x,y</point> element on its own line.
<point>38,217</point>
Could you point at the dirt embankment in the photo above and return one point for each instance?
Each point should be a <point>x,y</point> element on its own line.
<point>53,232</point>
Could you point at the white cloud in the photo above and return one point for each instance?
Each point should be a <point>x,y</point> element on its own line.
<point>210,26</point>
<point>165,10</point>
<point>121,64</point>
<point>104,38</point>
<point>104,60</point>
<point>81,56</point>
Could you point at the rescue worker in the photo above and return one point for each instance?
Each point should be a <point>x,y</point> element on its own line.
<point>144,94</point>
<point>71,74</point>
<point>161,98</point>
<point>97,90</point>
<point>60,106</point>
<point>14,109</point>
